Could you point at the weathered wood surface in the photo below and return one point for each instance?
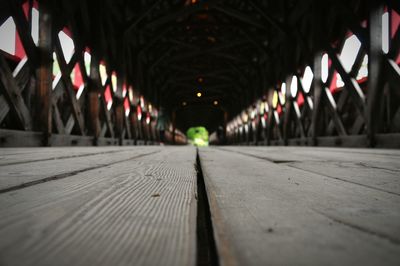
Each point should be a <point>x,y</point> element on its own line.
<point>138,211</point>
<point>378,169</point>
<point>266,211</point>
<point>12,177</point>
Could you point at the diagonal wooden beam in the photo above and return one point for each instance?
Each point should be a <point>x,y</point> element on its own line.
<point>76,110</point>
<point>350,83</point>
<point>11,92</point>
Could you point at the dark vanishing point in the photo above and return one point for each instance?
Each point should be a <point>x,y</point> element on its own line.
<point>199,132</point>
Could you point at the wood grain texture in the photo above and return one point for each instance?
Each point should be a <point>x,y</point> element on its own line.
<point>26,173</point>
<point>274,214</point>
<point>137,212</point>
<point>377,169</point>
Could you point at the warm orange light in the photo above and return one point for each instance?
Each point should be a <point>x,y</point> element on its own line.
<point>198,94</point>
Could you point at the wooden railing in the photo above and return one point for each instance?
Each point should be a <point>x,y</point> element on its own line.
<point>341,104</point>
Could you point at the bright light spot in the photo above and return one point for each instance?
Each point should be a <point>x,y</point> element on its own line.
<point>124,90</point>
<point>184,103</point>
<point>141,102</point>
<point>245,117</point>
<point>307,79</point>
<point>215,103</point>
<point>35,26</point>
<point>131,97</point>
<point>198,94</point>
<point>139,113</point>
<point>127,111</point>
<point>283,88</point>
<point>67,46</point>
<point>324,68</point>
<point>56,80</point>
<point>114,81</point>
<point>275,100</point>
<point>56,66</point>
<point>293,86</point>
<point>87,59</point>
<point>147,119</point>
<point>261,108</point>
<point>349,52</point>
<point>79,93</point>
<point>252,113</point>
<point>7,36</point>
<point>282,93</point>
<point>266,107</point>
<point>103,74</point>
<point>339,81</point>
<point>363,72</point>
<point>19,66</point>
<point>385,32</point>
<point>109,105</point>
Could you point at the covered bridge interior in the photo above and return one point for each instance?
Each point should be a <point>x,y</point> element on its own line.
<point>253,73</point>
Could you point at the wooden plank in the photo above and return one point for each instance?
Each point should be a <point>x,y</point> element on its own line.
<point>272,214</point>
<point>35,172</point>
<point>19,138</point>
<point>141,211</point>
<point>12,156</point>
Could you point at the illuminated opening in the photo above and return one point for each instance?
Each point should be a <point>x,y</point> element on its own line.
<point>307,79</point>
<point>108,97</point>
<point>127,107</point>
<point>114,81</point>
<point>349,52</point>
<point>282,93</point>
<point>131,96</point>
<point>67,45</point>
<point>103,73</point>
<point>10,40</point>
<point>139,112</point>
<point>363,72</point>
<point>198,136</point>
<point>124,90</point>
<point>148,118</point>
<point>275,99</point>
<point>293,86</point>
<point>324,68</point>
<point>385,32</point>
<point>35,26</point>
<point>88,59</point>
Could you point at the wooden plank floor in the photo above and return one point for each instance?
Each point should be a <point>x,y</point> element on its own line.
<point>109,206</point>
<point>138,205</point>
<point>304,206</point>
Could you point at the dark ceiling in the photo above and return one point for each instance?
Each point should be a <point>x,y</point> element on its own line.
<point>231,51</point>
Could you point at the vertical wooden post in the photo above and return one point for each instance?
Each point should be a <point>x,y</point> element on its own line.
<point>375,63</point>
<point>288,110</point>
<point>44,72</point>
<point>226,115</point>
<point>93,98</point>
<point>173,126</point>
<point>315,120</point>
<point>119,110</point>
